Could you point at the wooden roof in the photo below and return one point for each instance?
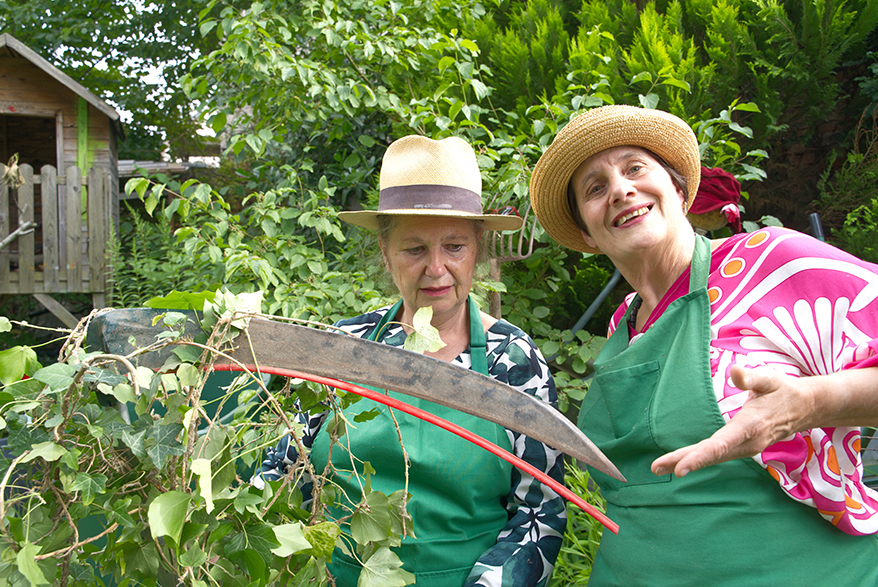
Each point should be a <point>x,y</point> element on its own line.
<point>9,45</point>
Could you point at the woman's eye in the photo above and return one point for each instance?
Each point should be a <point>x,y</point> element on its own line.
<point>593,190</point>
<point>635,168</point>
<point>454,248</point>
<point>415,250</point>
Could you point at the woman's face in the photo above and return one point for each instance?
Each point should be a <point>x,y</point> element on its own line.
<point>432,261</point>
<point>628,202</point>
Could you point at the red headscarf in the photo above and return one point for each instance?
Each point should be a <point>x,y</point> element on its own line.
<point>718,189</point>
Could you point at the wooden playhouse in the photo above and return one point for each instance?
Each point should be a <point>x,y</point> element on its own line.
<point>59,201</point>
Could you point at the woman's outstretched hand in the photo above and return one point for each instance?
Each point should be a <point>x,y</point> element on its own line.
<point>778,405</point>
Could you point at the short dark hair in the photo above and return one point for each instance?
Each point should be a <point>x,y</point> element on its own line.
<point>676,177</point>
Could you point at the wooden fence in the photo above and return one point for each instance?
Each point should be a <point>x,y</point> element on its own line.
<point>67,252</point>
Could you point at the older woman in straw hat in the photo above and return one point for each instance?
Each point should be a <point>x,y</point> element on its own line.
<point>478,521</point>
<point>746,342</point>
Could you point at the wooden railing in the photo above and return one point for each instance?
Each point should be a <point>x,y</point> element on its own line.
<point>67,253</point>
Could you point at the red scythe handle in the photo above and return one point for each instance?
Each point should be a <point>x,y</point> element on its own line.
<point>444,424</point>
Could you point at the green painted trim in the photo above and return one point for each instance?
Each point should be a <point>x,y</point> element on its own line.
<point>82,148</point>
<point>82,134</point>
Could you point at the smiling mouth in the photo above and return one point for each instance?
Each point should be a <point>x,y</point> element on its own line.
<point>623,219</point>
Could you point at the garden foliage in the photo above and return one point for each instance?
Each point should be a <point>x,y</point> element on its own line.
<point>306,95</point>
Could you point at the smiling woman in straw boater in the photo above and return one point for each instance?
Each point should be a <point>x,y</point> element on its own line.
<point>765,345</point>
<point>477,520</point>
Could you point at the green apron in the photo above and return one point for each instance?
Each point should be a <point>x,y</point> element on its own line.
<point>729,524</point>
<point>458,490</point>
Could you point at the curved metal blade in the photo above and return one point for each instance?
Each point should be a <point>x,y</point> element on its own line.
<point>341,356</point>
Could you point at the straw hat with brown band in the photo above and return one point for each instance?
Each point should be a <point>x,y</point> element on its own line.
<point>425,177</point>
<point>592,132</point>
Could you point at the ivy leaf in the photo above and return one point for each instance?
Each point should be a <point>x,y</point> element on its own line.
<point>28,566</point>
<point>383,570</point>
<point>89,485</point>
<point>258,538</point>
<point>372,523</point>
<point>17,362</point>
<point>167,513</point>
<point>201,467</point>
<point>104,376</point>
<point>5,324</point>
<point>246,500</point>
<point>367,415</point>
<point>136,441</point>
<point>193,557</point>
<point>322,538</point>
<point>166,444</point>
<point>58,376</point>
<point>399,516</point>
<point>189,375</point>
<point>124,393</point>
<point>425,338</point>
<point>292,539</point>
<point>49,451</point>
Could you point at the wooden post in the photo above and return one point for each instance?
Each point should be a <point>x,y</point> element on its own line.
<point>26,241</point>
<point>74,229</point>
<point>494,296</point>
<point>59,311</point>
<point>49,194</point>
<point>5,286</point>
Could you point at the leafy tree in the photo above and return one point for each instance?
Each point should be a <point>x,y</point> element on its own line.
<point>111,47</point>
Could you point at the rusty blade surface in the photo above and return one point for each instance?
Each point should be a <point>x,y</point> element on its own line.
<point>342,356</point>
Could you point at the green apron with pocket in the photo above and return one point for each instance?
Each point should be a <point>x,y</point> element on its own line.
<point>728,524</point>
<point>458,489</point>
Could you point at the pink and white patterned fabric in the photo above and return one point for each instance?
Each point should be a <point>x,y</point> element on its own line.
<point>784,299</point>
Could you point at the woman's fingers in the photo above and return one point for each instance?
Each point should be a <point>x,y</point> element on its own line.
<point>766,417</point>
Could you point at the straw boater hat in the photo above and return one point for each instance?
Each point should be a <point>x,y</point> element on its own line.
<point>423,177</point>
<point>592,132</point>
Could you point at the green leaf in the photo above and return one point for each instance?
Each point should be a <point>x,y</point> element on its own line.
<point>744,130</point>
<point>445,63</point>
<point>649,100</point>
<point>48,451</point>
<point>258,538</point>
<point>425,337</point>
<point>95,375</point>
<point>292,539</point>
<point>189,375</point>
<point>322,538</point>
<point>367,415</point>
<point>193,556</point>
<point>373,522</point>
<point>58,376</point>
<point>166,444</point>
<point>677,83</point>
<point>181,300</point>
<point>643,75</point>
<point>383,569</point>
<point>399,516</point>
<point>89,485</point>
<point>28,566</point>
<point>17,362</point>
<point>201,467</point>
<point>5,324</point>
<point>124,393</point>
<point>136,441</point>
<point>167,513</point>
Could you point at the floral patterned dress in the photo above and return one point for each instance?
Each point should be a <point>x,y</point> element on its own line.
<point>786,300</point>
